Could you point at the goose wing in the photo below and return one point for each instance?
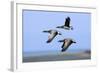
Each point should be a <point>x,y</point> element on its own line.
<point>67,22</point>
<point>51,37</point>
<point>65,45</point>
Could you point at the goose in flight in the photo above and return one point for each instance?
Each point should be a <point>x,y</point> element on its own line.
<point>66,43</point>
<point>66,25</point>
<point>53,34</point>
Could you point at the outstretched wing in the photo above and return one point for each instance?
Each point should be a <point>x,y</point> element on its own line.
<point>63,49</point>
<point>65,45</point>
<point>51,37</point>
<point>67,22</point>
<point>46,31</point>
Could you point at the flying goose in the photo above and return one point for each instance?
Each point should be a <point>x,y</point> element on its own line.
<point>66,25</point>
<point>53,34</point>
<point>66,43</point>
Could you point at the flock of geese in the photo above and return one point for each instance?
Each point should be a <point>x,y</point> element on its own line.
<point>66,41</point>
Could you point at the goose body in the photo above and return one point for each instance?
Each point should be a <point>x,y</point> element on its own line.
<point>66,43</point>
<point>53,34</point>
<point>66,25</point>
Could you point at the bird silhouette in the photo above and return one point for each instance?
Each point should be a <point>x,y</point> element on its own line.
<point>53,34</point>
<point>66,25</point>
<point>66,43</point>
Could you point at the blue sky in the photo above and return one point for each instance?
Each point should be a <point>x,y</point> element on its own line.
<point>34,22</point>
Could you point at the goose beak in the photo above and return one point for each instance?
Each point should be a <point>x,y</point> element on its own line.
<point>74,42</point>
<point>71,28</point>
<point>59,33</point>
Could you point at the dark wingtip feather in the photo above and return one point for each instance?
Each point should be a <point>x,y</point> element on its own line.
<point>44,31</point>
<point>48,41</point>
<point>62,50</point>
